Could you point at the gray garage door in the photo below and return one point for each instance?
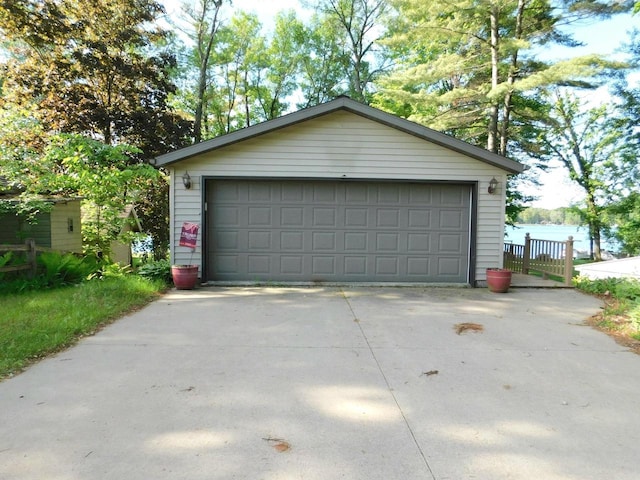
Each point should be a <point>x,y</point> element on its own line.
<point>337,231</point>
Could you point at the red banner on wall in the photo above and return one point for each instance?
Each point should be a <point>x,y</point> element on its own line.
<point>189,234</point>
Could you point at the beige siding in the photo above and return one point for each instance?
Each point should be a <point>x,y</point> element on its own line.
<point>61,238</point>
<point>341,145</point>
<point>121,252</point>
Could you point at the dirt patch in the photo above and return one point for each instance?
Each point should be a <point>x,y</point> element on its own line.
<point>618,327</point>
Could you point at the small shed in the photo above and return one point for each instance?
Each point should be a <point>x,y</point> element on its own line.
<point>121,251</point>
<point>339,192</point>
<point>58,229</point>
<point>121,227</point>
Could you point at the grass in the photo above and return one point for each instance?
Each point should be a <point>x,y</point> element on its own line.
<point>35,324</point>
<point>620,316</point>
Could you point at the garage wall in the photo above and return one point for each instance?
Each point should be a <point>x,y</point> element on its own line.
<point>341,145</point>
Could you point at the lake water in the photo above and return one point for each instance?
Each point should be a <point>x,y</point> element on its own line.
<point>555,232</point>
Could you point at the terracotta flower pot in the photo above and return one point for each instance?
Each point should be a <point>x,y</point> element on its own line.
<point>498,279</point>
<point>185,277</point>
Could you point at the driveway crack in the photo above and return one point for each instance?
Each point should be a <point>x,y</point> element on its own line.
<point>386,380</point>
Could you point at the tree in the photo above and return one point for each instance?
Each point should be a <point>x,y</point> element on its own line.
<point>360,22</point>
<point>469,68</point>
<point>278,68</point>
<point>97,69</point>
<point>237,62</point>
<point>625,213</point>
<point>205,23</point>
<point>590,145</point>
<point>99,74</point>
<point>102,175</point>
<point>323,63</point>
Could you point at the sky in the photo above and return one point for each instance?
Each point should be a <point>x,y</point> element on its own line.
<point>602,37</point>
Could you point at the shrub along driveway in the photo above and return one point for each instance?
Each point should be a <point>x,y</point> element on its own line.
<point>324,383</point>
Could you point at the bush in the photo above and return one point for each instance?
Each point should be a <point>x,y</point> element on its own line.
<point>626,292</point>
<point>157,270</point>
<point>54,270</point>
<point>620,288</point>
<point>66,269</point>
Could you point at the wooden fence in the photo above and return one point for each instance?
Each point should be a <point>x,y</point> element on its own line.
<point>549,257</point>
<point>31,250</point>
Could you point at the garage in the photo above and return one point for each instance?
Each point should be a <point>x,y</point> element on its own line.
<point>327,231</point>
<point>338,192</point>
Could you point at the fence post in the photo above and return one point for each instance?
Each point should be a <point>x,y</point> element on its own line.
<point>526,254</point>
<point>31,257</point>
<point>568,261</point>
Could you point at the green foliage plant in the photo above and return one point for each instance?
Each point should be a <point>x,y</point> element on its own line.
<point>156,270</point>
<point>4,261</point>
<point>65,269</point>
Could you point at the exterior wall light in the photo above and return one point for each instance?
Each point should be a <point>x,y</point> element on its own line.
<point>493,185</point>
<point>186,180</point>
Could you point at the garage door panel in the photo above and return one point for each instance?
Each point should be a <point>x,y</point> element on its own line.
<point>449,243</point>
<point>420,219</point>
<point>448,267</point>
<point>260,192</point>
<point>420,194</point>
<point>323,265</point>
<point>292,216</point>
<point>337,231</point>
<point>291,240</point>
<point>451,219</point>
<point>388,217</point>
<point>451,197</point>
<point>259,264</point>
<point>260,240</point>
<point>389,194</point>
<point>358,193</point>
<point>324,217</point>
<point>292,264</point>
<point>325,193</point>
<point>324,241</point>
<point>418,267</point>
<point>418,242</point>
<point>260,216</point>
<point>356,217</point>
<point>227,216</point>
<point>292,193</point>
<point>227,240</point>
<point>355,265</point>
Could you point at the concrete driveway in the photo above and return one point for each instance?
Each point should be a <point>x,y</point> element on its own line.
<point>330,383</point>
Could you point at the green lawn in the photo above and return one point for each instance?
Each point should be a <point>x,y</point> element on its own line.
<point>37,323</point>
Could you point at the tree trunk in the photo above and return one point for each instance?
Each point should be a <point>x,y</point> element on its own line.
<point>205,45</point>
<point>513,71</point>
<point>202,86</point>
<point>492,136</point>
<point>595,226</point>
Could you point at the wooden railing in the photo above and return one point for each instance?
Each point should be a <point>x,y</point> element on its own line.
<point>549,257</point>
<point>31,250</point>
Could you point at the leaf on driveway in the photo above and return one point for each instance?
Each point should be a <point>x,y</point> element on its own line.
<point>460,328</point>
<point>278,444</point>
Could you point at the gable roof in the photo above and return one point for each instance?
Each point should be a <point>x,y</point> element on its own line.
<point>348,105</point>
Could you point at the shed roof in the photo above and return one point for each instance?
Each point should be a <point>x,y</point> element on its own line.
<point>349,105</point>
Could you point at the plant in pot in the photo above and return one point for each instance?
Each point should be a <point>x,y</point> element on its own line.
<point>185,277</point>
<point>498,279</point>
